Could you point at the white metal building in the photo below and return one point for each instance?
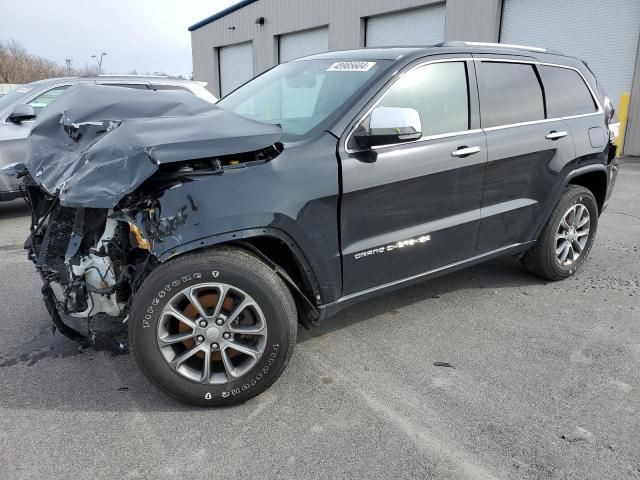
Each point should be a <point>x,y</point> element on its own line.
<point>7,87</point>
<point>246,39</point>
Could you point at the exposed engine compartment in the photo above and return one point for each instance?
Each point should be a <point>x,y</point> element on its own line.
<point>115,179</point>
<point>90,264</point>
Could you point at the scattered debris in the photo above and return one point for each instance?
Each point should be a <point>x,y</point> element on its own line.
<point>578,435</point>
<point>443,364</point>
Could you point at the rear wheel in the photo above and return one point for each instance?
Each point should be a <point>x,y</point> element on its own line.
<point>213,328</point>
<point>567,237</point>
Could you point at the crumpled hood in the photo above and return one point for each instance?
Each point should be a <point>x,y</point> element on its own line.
<point>96,144</point>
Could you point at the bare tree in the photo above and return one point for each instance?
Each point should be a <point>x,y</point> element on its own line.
<point>87,70</point>
<point>18,66</point>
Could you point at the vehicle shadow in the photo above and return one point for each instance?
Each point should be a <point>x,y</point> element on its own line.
<point>102,378</point>
<point>495,274</point>
<point>13,209</point>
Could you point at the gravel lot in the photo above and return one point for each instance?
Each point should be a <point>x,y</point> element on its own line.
<point>532,362</point>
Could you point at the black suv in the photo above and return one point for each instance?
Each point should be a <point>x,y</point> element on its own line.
<point>214,231</point>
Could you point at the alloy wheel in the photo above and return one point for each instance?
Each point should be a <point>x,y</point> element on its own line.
<point>572,234</point>
<point>212,333</point>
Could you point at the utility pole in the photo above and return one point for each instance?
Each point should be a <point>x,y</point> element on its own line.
<point>99,61</point>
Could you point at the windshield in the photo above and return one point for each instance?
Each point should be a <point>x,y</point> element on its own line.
<point>300,95</point>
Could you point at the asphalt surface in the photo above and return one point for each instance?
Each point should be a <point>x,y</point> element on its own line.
<point>532,362</point>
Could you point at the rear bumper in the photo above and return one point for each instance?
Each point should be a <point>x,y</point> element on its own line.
<point>612,169</point>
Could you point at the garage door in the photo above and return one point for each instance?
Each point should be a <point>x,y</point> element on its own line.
<point>423,26</point>
<point>236,66</point>
<point>605,34</point>
<point>300,44</point>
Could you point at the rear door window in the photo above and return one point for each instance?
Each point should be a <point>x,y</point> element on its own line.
<point>566,93</point>
<point>509,93</point>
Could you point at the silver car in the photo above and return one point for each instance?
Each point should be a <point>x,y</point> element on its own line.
<point>19,108</point>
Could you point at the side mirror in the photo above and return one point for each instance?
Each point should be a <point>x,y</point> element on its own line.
<point>389,125</point>
<point>21,113</point>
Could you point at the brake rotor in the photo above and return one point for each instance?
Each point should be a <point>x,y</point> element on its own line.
<point>208,301</point>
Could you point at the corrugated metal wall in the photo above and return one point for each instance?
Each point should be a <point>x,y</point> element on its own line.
<point>477,20</point>
<point>569,26</point>
<point>345,20</point>
<point>418,26</point>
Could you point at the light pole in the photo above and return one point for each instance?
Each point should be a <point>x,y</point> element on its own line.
<point>99,61</point>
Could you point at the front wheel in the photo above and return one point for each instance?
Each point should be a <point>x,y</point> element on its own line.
<point>567,237</point>
<point>213,328</point>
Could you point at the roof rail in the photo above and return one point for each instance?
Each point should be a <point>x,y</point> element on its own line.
<point>125,76</point>
<point>493,45</point>
<point>112,75</point>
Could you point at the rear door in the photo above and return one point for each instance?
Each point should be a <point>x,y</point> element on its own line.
<point>417,206</point>
<point>526,151</point>
<point>568,96</point>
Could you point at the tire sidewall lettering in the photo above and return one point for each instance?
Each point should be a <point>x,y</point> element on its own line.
<point>162,293</point>
<point>275,349</point>
<point>163,286</point>
<point>177,284</point>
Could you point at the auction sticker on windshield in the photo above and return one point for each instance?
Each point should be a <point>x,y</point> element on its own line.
<point>351,67</point>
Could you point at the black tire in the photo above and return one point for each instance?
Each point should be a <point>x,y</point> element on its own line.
<point>231,266</point>
<point>542,260</point>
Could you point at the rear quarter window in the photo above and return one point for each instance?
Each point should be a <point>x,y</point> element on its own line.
<point>509,93</point>
<point>566,92</point>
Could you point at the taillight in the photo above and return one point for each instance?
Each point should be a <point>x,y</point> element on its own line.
<point>611,118</point>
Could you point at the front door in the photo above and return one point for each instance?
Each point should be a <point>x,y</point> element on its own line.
<point>415,206</point>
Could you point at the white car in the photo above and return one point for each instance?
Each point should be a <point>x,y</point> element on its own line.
<point>20,107</point>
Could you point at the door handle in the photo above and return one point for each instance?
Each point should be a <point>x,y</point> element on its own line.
<point>553,135</point>
<point>465,151</point>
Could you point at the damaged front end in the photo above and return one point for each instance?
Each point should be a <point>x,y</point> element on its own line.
<point>98,161</point>
<point>90,264</point>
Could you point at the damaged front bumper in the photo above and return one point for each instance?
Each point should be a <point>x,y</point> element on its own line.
<point>90,263</point>
<point>99,162</point>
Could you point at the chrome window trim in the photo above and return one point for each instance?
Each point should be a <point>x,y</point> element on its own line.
<point>393,82</point>
<point>478,130</point>
<point>428,137</point>
<point>520,124</point>
<point>548,64</point>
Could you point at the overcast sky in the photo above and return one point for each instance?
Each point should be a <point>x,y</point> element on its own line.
<point>145,35</point>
